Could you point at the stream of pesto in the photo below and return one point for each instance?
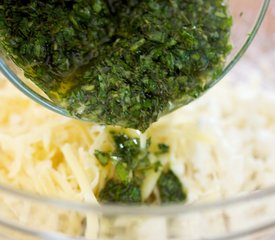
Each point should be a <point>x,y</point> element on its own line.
<point>130,163</point>
<point>117,62</point>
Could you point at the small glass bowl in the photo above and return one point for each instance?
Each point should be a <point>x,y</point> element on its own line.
<point>247,19</point>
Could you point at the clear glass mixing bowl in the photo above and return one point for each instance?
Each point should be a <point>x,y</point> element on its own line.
<point>246,217</point>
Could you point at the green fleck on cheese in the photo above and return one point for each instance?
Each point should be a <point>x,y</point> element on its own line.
<point>102,157</point>
<point>170,188</point>
<point>120,192</point>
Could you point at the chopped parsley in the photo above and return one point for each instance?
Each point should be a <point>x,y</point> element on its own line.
<point>118,62</point>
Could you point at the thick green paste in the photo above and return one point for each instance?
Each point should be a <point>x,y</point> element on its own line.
<point>118,62</point>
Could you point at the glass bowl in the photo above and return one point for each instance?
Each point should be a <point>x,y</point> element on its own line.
<point>247,19</point>
<point>245,217</point>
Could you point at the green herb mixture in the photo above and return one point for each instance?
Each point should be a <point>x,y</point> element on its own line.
<point>118,62</point>
<point>130,164</point>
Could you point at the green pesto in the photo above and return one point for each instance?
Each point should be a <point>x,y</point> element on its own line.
<point>131,163</point>
<point>128,159</point>
<point>170,188</point>
<point>118,62</point>
<point>163,148</point>
<point>119,192</point>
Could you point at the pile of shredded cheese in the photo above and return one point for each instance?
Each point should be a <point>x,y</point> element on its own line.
<point>220,145</point>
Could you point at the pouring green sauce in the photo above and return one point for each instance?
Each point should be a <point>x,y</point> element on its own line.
<point>118,62</point>
<point>130,164</point>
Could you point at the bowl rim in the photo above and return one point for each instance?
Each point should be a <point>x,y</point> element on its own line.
<point>138,210</point>
<point>119,210</point>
